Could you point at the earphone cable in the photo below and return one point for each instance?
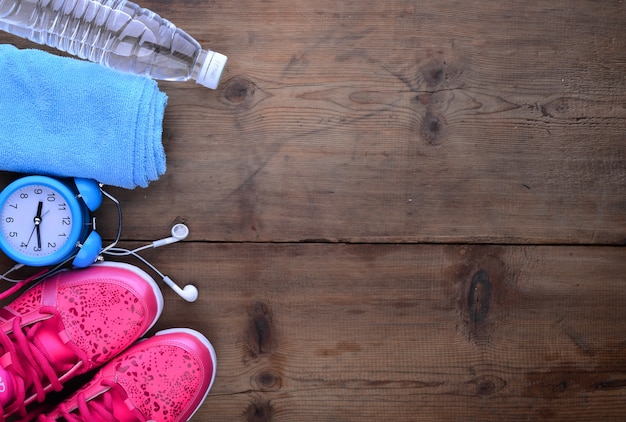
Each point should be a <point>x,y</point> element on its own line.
<point>118,235</point>
<point>126,252</point>
<point>13,268</point>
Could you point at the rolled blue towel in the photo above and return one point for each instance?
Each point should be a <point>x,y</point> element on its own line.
<point>67,117</point>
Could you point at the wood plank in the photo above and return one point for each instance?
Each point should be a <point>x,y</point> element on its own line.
<point>397,122</point>
<point>407,332</point>
<point>322,332</point>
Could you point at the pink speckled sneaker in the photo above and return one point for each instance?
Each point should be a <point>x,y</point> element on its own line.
<point>165,378</point>
<point>68,324</point>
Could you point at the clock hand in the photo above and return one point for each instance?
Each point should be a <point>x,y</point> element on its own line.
<point>31,235</point>
<point>38,223</point>
<point>38,227</point>
<point>38,230</point>
<point>38,215</point>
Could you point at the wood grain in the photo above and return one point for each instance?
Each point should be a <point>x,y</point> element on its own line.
<point>408,332</point>
<point>398,122</point>
<point>399,210</point>
<point>403,122</point>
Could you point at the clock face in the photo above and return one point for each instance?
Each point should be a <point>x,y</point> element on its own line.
<point>36,220</point>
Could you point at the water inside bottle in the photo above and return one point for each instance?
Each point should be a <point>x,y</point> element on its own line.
<point>115,33</point>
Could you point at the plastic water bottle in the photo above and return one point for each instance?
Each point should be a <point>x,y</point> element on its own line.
<point>115,33</point>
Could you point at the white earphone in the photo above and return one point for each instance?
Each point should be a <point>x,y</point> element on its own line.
<point>179,232</point>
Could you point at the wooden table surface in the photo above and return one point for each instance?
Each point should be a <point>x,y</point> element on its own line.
<point>399,210</point>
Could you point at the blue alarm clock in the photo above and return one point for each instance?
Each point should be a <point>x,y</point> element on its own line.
<point>46,221</point>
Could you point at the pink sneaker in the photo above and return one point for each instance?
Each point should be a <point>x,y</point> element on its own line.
<point>68,324</point>
<point>165,378</point>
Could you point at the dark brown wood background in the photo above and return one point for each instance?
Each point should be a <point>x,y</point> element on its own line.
<point>399,210</point>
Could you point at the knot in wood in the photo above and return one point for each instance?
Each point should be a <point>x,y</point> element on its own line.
<point>433,126</point>
<point>259,411</point>
<point>267,380</point>
<point>238,90</point>
<point>479,296</point>
<point>260,331</point>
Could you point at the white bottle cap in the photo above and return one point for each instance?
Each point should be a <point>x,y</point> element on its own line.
<point>211,70</point>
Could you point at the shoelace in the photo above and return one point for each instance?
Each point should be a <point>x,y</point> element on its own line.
<point>96,409</point>
<point>29,366</point>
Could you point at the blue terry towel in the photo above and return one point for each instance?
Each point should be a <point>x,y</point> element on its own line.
<point>66,117</point>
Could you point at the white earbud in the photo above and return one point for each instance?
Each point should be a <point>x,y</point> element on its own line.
<point>189,292</point>
<point>179,232</point>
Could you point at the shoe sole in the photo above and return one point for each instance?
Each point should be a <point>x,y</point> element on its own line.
<point>144,275</point>
<point>200,337</point>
